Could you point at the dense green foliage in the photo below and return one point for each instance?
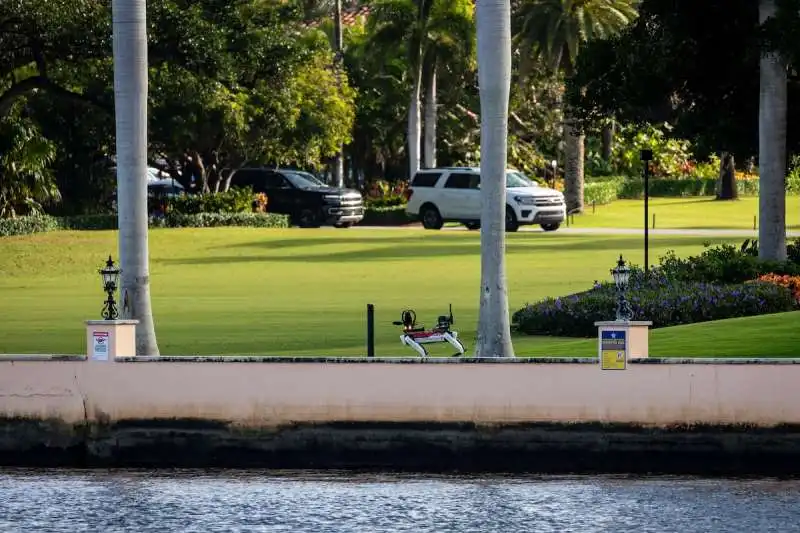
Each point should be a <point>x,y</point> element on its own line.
<point>36,224</point>
<point>235,200</point>
<point>251,82</point>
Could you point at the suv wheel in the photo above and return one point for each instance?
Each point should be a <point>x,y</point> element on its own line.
<point>472,225</point>
<point>551,227</point>
<point>343,225</point>
<point>307,218</point>
<point>511,220</point>
<point>431,219</point>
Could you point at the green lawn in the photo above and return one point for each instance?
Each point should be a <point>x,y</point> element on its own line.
<point>683,213</point>
<point>294,291</point>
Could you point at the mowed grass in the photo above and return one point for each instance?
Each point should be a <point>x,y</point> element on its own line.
<point>682,213</point>
<point>304,292</point>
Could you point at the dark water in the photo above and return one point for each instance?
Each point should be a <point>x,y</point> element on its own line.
<point>123,501</point>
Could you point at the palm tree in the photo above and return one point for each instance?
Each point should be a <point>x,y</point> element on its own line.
<point>772,149</point>
<point>130,102</point>
<point>552,32</point>
<point>451,44</point>
<point>494,79</point>
<point>429,29</point>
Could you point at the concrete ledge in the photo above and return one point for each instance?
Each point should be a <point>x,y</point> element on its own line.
<point>405,360</point>
<point>40,357</point>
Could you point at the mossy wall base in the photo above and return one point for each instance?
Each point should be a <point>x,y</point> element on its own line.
<point>419,447</point>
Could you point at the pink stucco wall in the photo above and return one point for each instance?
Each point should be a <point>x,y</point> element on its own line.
<point>274,393</point>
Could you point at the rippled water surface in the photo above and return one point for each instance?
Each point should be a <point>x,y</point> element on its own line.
<point>124,501</point>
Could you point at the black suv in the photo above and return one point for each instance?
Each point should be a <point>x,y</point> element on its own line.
<point>308,201</point>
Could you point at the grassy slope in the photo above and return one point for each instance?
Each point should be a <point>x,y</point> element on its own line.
<point>763,336</point>
<point>698,213</point>
<point>242,290</point>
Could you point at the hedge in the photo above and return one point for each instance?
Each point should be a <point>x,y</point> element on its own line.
<point>663,302</point>
<point>606,190</point>
<point>387,216</point>
<point>36,224</point>
<point>215,220</point>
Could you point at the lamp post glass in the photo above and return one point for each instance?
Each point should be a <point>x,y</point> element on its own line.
<point>622,275</point>
<point>110,274</point>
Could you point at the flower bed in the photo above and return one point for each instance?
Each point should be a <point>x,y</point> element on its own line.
<point>722,282</point>
<point>664,302</point>
<point>790,282</point>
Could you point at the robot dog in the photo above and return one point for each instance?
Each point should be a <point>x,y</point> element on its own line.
<point>414,337</point>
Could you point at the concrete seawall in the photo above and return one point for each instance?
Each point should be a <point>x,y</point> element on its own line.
<point>704,417</point>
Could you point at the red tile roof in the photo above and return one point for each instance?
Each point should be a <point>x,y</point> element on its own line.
<point>350,16</point>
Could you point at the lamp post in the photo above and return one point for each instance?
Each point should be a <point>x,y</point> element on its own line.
<point>622,274</point>
<point>554,167</point>
<point>110,274</point>
<point>646,157</point>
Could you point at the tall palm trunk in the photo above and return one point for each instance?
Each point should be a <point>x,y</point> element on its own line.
<point>338,167</point>
<point>494,79</point>
<point>430,115</point>
<point>130,101</point>
<point>607,145</point>
<point>573,166</point>
<point>414,124</point>
<point>772,150</point>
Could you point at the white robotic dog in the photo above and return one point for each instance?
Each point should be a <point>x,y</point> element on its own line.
<point>415,337</point>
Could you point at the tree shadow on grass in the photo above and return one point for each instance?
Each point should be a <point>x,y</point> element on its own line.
<point>613,245</point>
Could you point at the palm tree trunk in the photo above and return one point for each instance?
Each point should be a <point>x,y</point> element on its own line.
<point>573,167</point>
<point>338,166</point>
<point>494,79</point>
<point>430,115</point>
<point>130,101</point>
<point>772,150</point>
<point>414,124</point>
<point>607,145</point>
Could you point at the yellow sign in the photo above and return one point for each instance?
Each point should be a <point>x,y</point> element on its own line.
<point>613,360</point>
<point>613,350</point>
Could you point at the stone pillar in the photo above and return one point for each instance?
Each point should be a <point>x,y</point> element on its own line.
<point>619,341</point>
<point>108,339</point>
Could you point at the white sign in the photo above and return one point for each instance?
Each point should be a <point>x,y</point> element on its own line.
<point>100,346</point>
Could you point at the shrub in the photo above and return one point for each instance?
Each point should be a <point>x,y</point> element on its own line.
<point>723,264</point>
<point>664,302</point>
<point>665,187</point>
<point>790,282</point>
<point>602,191</point>
<point>213,220</point>
<point>26,225</point>
<point>235,200</point>
<point>386,201</point>
<point>386,216</point>
<point>89,222</point>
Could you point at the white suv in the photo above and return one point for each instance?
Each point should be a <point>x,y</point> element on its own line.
<point>452,194</point>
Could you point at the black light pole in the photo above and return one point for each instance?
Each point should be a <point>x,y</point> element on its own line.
<point>110,274</point>
<point>646,157</point>
<point>622,274</point>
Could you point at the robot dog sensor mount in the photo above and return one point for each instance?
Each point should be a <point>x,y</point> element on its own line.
<point>414,337</point>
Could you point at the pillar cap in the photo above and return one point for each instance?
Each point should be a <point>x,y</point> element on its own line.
<point>112,322</point>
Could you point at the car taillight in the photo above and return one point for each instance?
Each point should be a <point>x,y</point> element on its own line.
<point>408,193</point>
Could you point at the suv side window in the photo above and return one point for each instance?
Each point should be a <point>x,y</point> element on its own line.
<point>245,177</point>
<point>425,179</point>
<point>273,180</point>
<point>462,180</point>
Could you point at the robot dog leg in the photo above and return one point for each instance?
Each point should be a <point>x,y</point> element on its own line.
<point>417,347</point>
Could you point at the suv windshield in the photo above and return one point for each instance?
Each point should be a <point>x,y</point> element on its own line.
<point>514,178</point>
<point>303,180</point>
